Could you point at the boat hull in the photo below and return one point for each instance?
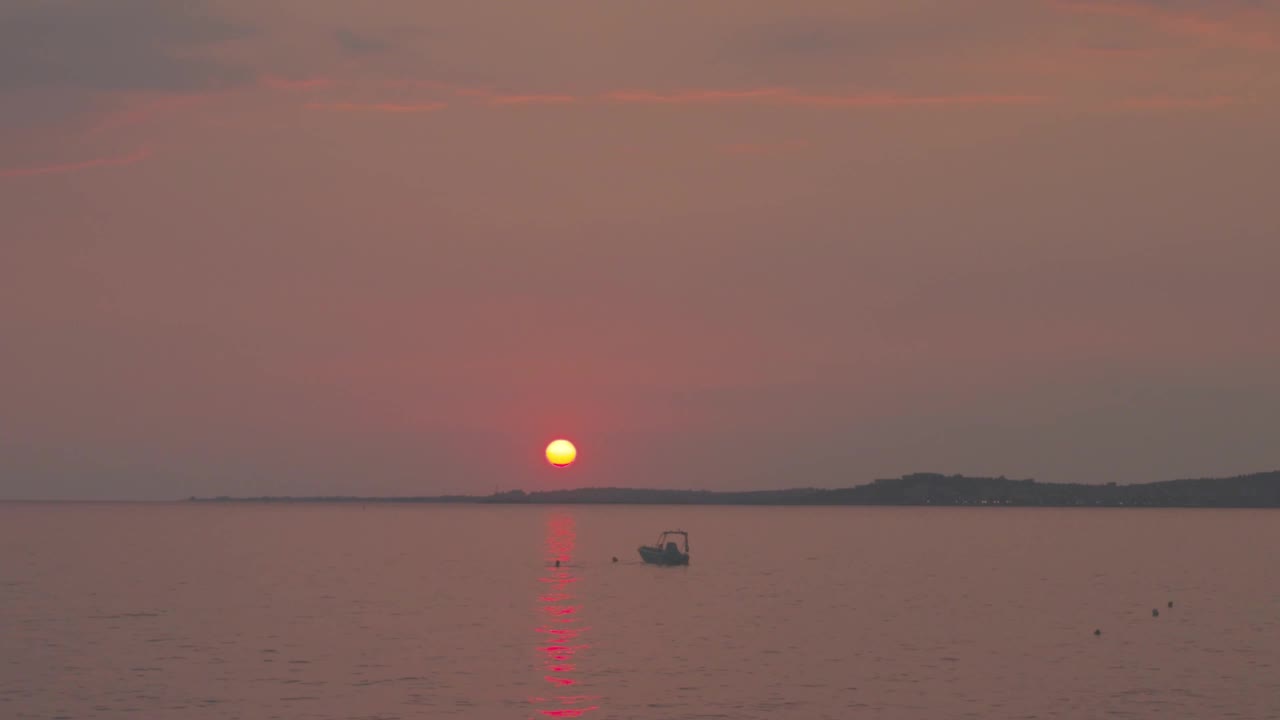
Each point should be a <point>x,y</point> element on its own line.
<point>657,556</point>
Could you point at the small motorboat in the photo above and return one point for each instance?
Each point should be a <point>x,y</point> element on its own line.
<point>667,551</point>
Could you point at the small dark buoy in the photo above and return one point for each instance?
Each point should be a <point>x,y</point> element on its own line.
<point>1155,613</point>
<point>557,563</point>
<point>1097,632</point>
<point>615,558</point>
<point>1170,603</point>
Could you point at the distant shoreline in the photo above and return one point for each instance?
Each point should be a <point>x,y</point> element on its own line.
<point>1258,490</point>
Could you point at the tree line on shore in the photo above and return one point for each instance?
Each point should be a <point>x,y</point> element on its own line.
<point>1242,491</point>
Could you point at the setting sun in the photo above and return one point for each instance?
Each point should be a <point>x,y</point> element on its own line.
<point>561,453</point>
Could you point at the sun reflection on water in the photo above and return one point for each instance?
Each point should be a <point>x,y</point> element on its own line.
<point>560,623</point>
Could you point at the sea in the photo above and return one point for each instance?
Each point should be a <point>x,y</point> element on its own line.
<point>384,611</point>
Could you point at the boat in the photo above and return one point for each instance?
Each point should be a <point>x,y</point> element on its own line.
<point>667,551</point>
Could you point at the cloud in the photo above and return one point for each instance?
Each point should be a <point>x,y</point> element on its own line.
<point>116,161</point>
<point>532,99</point>
<point>139,108</point>
<point>137,113</point>
<point>774,96</point>
<point>784,96</point>
<point>1211,31</point>
<point>381,107</point>
<point>913,100</point>
<point>498,98</point>
<point>116,45</point>
<point>693,96</point>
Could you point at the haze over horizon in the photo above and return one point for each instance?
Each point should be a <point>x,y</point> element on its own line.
<point>313,248</point>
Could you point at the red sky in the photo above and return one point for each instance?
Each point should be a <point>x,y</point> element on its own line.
<point>394,248</point>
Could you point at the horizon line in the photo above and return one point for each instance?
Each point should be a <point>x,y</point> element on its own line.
<point>498,493</point>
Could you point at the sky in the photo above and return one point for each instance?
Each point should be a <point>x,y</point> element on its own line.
<point>319,247</point>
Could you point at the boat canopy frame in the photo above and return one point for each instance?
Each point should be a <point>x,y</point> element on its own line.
<point>662,539</point>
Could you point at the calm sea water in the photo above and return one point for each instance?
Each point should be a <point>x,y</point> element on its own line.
<point>344,611</point>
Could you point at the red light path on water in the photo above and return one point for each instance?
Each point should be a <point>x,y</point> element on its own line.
<point>561,623</point>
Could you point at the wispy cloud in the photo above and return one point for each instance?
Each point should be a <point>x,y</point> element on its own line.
<point>140,108</point>
<point>786,96</point>
<point>1213,31</point>
<point>381,107</point>
<point>776,96</point>
<point>137,112</point>
<point>115,161</point>
<point>493,97</point>
<point>532,100</point>
<point>691,97</point>
<point>912,100</point>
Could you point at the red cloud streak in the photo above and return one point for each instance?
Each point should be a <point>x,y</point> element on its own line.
<point>144,111</point>
<point>785,96</point>
<point>384,107</point>
<point>532,100</point>
<point>1214,31</point>
<point>116,161</point>
<point>758,96</point>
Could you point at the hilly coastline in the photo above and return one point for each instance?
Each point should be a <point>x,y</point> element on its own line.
<point>1258,490</point>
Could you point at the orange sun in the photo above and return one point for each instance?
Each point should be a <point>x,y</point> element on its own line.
<point>561,453</point>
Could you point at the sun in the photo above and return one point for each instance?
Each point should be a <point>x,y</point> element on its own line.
<point>561,453</point>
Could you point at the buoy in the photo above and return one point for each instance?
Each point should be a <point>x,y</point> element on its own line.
<point>615,558</point>
<point>1170,603</point>
<point>1155,613</point>
<point>1097,632</point>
